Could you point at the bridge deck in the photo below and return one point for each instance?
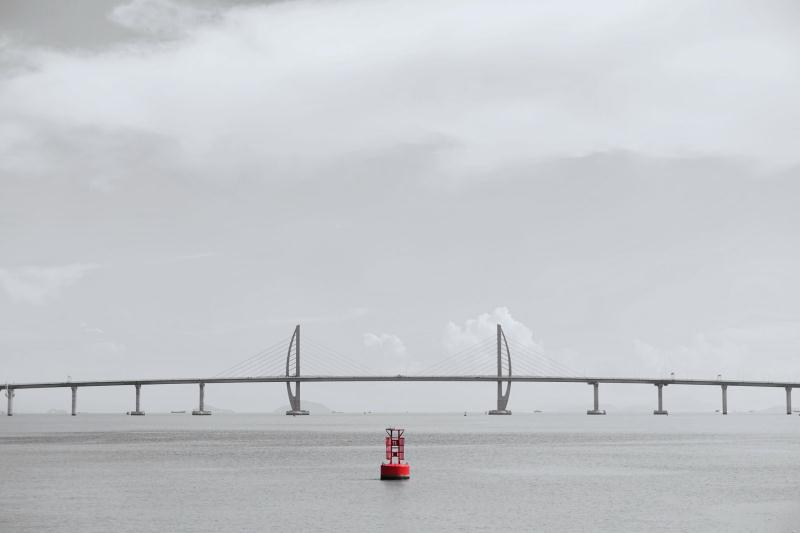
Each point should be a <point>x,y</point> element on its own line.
<point>399,378</point>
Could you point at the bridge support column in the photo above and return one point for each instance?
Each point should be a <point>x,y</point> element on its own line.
<point>596,410</point>
<point>724,399</point>
<point>660,410</point>
<point>502,399</point>
<point>10,404</point>
<point>201,405</point>
<point>788,400</point>
<point>138,411</point>
<point>74,400</point>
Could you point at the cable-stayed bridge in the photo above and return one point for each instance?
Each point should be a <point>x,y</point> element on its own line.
<point>488,361</point>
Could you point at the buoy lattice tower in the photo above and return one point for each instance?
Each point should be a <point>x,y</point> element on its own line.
<point>395,467</point>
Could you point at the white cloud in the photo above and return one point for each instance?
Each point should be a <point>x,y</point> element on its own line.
<point>474,346</point>
<point>37,284</point>
<point>388,343</point>
<point>478,329</point>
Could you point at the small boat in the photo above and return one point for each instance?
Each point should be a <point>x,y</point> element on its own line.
<point>178,412</point>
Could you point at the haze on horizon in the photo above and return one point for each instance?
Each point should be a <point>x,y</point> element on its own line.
<point>183,182</point>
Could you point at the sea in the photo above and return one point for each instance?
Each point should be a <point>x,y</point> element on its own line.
<point>524,472</point>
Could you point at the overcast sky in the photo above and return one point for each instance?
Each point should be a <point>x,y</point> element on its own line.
<point>181,183</point>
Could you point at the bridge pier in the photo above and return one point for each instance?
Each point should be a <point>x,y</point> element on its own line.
<point>788,400</point>
<point>201,407</point>
<point>74,399</point>
<point>660,410</point>
<point>10,404</point>
<point>724,399</point>
<point>596,410</point>
<point>138,411</point>
<point>294,401</point>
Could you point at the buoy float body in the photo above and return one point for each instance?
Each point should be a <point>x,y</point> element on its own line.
<point>395,471</point>
<point>396,467</point>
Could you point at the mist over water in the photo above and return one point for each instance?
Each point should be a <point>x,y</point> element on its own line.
<point>545,472</point>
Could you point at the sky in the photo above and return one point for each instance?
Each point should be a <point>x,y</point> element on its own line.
<point>181,183</point>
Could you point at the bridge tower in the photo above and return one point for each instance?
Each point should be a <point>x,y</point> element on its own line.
<point>502,398</point>
<point>293,356</point>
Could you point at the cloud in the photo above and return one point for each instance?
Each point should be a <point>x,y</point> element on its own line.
<point>388,343</point>
<point>475,330</point>
<point>160,17</point>
<point>300,88</point>
<point>37,284</point>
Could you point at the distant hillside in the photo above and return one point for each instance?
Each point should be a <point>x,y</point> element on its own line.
<point>314,408</point>
<point>220,410</point>
<point>775,409</point>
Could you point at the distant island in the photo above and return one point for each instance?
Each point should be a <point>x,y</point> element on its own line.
<point>209,407</point>
<point>315,408</point>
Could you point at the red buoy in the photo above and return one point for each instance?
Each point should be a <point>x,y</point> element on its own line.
<point>396,467</point>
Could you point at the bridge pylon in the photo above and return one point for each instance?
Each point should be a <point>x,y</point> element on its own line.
<point>293,355</point>
<point>502,398</point>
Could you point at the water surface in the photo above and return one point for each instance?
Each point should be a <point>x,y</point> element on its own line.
<point>543,472</point>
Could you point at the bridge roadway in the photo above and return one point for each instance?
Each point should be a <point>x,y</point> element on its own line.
<point>399,377</point>
<point>660,383</point>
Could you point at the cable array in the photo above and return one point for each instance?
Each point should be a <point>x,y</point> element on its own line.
<point>318,359</point>
<point>527,360</point>
<point>315,359</point>
<point>480,358</point>
<point>270,361</point>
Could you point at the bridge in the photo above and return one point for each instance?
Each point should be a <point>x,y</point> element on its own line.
<point>261,368</point>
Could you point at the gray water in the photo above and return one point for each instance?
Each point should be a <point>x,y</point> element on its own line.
<point>543,472</point>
